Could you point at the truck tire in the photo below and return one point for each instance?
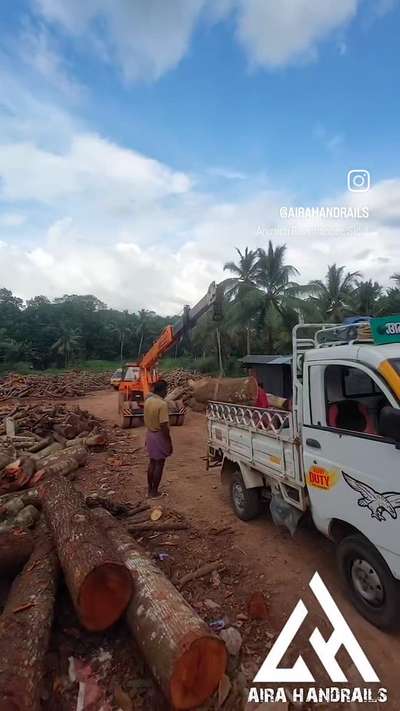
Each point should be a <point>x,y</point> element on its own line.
<point>372,588</point>
<point>245,502</point>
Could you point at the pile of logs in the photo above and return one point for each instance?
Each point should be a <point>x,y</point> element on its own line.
<point>107,574</point>
<point>180,378</point>
<point>43,438</point>
<point>66,385</point>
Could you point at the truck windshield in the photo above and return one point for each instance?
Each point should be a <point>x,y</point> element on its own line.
<point>132,374</point>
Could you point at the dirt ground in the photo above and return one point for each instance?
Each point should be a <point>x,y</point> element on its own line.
<point>268,559</point>
<point>257,557</point>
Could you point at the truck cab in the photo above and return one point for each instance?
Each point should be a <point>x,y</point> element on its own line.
<point>336,455</point>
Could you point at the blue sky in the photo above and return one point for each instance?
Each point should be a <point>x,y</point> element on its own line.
<point>141,143</point>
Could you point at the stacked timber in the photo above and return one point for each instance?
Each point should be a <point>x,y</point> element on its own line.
<point>74,383</point>
<point>34,438</point>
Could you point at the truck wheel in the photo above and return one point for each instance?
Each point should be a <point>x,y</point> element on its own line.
<point>125,422</point>
<point>373,589</point>
<point>245,502</point>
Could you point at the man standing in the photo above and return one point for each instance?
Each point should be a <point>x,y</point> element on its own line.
<point>158,438</point>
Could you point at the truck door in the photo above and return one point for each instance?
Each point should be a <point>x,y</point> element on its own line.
<point>352,473</point>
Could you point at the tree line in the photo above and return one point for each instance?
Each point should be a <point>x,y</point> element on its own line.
<point>264,299</point>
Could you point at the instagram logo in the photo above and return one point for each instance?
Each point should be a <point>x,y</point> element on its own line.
<point>358,181</point>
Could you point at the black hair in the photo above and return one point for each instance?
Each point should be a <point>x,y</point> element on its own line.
<point>160,387</point>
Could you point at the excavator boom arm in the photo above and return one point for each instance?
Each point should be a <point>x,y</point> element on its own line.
<point>171,334</point>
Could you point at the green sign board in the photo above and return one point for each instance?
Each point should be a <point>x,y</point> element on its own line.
<point>386,329</point>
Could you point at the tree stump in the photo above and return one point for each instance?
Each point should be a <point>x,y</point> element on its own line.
<point>98,581</point>
<point>186,658</point>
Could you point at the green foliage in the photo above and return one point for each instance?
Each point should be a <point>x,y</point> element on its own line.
<point>262,304</point>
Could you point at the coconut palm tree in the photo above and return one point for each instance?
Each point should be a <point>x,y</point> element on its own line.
<point>332,297</point>
<point>366,297</point>
<point>67,343</point>
<point>245,272</point>
<point>274,281</point>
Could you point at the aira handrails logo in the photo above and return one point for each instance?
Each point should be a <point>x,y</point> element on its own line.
<point>326,650</point>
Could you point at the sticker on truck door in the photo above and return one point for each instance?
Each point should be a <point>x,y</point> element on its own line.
<point>377,504</point>
<point>320,478</point>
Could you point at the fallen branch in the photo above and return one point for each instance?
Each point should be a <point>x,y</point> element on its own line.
<point>159,526</point>
<point>200,573</point>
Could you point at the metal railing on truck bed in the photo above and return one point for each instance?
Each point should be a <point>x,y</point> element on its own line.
<point>270,420</point>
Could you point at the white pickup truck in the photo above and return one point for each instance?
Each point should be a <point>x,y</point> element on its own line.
<point>335,454</point>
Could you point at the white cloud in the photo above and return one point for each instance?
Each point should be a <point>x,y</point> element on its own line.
<point>38,49</point>
<point>133,268</point>
<point>92,168</point>
<point>279,33</point>
<point>147,39</point>
<point>150,38</point>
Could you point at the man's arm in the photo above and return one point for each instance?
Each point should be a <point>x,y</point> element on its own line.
<point>164,424</point>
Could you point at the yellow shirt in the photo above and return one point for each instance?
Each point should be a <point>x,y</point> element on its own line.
<point>155,412</point>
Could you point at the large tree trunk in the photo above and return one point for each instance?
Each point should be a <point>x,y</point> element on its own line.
<point>99,583</point>
<point>242,391</point>
<point>25,627</point>
<point>186,659</point>
<point>15,548</point>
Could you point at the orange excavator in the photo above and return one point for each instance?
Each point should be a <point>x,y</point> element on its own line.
<point>138,378</point>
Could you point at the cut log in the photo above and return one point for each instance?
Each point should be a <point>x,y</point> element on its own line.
<point>30,496</point>
<point>116,508</point>
<point>50,449</point>
<point>25,627</point>
<point>15,548</point>
<point>99,583</point>
<point>6,458</point>
<point>80,454</point>
<point>186,659</point>
<point>16,475</point>
<point>94,440</point>
<point>242,391</point>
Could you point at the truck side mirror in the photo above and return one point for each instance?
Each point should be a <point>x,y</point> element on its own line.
<point>389,423</point>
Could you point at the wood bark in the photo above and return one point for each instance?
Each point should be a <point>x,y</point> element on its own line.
<point>25,627</point>
<point>5,458</point>
<point>50,449</point>
<point>242,391</point>
<point>93,440</point>
<point>186,658</point>
<point>98,581</point>
<point>15,549</point>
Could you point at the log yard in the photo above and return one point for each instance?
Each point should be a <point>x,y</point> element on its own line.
<point>199,355</point>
